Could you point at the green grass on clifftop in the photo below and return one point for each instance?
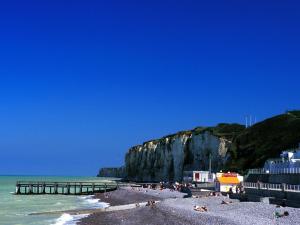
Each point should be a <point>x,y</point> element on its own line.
<point>253,146</point>
<point>225,130</point>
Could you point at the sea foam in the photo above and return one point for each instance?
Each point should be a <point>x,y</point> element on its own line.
<point>92,202</point>
<point>89,202</point>
<point>67,219</point>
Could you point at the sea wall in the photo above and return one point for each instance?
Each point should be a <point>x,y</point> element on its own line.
<point>274,178</point>
<point>166,159</point>
<point>291,199</point>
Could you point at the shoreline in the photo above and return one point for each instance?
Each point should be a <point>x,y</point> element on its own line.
<point>121,199</point>
<point>174,209</point>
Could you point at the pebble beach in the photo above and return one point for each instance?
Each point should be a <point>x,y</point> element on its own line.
<point>172,208</point>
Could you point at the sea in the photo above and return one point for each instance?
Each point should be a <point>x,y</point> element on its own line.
<point>16,209</point>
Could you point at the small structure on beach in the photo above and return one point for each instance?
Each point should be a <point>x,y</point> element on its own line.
<point>198,176</point>
<point>228,182</point>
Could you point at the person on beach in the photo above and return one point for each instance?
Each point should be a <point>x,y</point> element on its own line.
<point>200,208</point>
<point>187,190</point>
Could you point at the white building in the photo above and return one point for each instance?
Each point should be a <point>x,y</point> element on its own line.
<point>199,176</point>
<point>289,160</point>
<point>227,182</point>
<point>203,176</point>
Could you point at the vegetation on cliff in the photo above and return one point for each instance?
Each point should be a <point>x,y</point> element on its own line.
<point>224,130</point>
<point>266,139</point>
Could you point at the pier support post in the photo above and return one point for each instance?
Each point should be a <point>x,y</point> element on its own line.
<point>30,189</point>
<point>93,188</point>
<point>44,188</point>
<point>18,189</point>
<point>68,188</point>
<point>80,189</point>
<point>55,188</point>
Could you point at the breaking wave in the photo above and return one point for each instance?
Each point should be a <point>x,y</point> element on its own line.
<point>92,202</point>
<point>67,219</point>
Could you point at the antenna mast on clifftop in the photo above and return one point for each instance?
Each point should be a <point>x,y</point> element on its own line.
<point>249,120</point>
<point>209,163</point>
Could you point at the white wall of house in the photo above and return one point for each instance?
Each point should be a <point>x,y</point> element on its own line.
<point>225,187</point>
<point>289,160</point>
<point>203,176</point>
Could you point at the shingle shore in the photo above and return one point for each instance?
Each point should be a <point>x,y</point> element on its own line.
<point>176,210</point>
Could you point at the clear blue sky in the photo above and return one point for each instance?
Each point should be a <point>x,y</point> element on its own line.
<point>82,81</point>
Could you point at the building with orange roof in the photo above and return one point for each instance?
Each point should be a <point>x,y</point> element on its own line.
<point>227,181</point>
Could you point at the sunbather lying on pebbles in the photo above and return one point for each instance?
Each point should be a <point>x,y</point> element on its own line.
<point>226,202</point>
<point>278,214</point>
<point>200,208</point>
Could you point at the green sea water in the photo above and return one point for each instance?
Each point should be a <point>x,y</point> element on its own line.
<point>15,209</point>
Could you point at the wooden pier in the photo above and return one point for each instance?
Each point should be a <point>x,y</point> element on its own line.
<point>63,188</point>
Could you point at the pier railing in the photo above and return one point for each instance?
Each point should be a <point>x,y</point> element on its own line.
<point>275,171</point>
<point>67,188</point>
<point>275,187</point>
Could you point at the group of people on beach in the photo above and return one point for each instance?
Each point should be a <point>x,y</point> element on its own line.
<point>167,185</point>
<point>180,187</point>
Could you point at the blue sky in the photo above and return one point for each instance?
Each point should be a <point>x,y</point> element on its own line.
<point>82,81</point>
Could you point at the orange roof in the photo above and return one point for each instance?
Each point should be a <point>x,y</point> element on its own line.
<point>228,180</point>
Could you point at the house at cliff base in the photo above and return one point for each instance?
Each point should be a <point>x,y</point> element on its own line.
<point>227,181</point>
<point>198,176</point>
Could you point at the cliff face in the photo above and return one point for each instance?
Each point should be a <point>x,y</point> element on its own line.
<point>166,159</point>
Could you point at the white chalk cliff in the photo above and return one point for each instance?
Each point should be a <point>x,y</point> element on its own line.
<point>166,159</point>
